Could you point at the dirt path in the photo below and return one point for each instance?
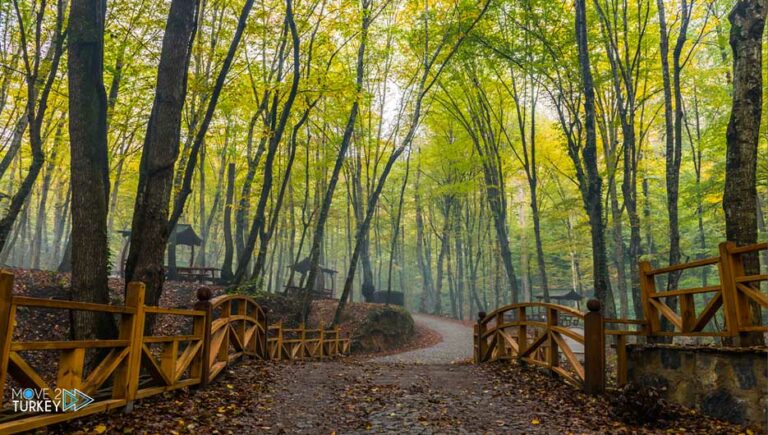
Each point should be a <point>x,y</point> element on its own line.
<point>416,392</point>
<point>456,344</point>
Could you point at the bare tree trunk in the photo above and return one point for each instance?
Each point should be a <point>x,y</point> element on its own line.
<point>150,230</point>
<point>226,268</point>
<point>89,167</point>
<point>592,191</point>
<point>740,198</point>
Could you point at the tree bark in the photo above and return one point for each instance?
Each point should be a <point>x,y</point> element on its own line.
<point>149,229</point>
<point>740,198</point>
<point>89,169</point>
<point>592,191</point>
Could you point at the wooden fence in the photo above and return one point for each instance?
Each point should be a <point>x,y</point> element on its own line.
<point>536,332</point>
<point>136,365</point>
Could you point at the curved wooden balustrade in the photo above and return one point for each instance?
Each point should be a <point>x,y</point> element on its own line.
<point>134,365</point>
<point>538,333</point>
<point>238,327</point>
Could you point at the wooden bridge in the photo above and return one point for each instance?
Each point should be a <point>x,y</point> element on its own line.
<point>543,334</point>
<point>135,365</point>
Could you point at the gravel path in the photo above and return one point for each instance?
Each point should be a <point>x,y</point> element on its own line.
<point>455,346</point>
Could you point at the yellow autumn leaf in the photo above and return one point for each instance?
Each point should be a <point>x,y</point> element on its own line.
<point>230,386</point>
<point>100,429</point>
<point>535,421</point>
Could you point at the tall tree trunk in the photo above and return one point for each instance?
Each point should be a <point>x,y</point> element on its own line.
<point>740,198</point>
<point>325,207</point>
<point>226,268</point>
<point>592,191</point>
<point>89,167</point>
<point>150,230</point>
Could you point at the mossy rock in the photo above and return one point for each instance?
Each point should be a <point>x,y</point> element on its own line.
<point>385,327</point>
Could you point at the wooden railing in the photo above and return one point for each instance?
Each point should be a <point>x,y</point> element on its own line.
<point>732,295</point>
<point>135,365</point>
<point>536,332</point>
<point>301,343</point>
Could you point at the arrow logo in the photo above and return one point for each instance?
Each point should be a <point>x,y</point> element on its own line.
<point>74,400</point>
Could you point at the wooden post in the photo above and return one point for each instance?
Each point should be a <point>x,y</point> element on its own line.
<point>7,312</point>
<point>522,331</point>
<point>480,343</point>
<point>338,337</point>
<point>648,287</point>
<point>132,329</point>
<point>262,332</point>
<point>241,325</point>
<point>501,349</point>
<point>594,349</point>
<point>280,341</point>
<point>302,352</point>
<point>71,366</point>
<point>202,327</point>
<point>226,312</point>
<point>732,306</point>
<point>321,344</point>
<point>553,354</point>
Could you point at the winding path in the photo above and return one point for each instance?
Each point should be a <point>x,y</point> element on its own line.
<point>456,344</point>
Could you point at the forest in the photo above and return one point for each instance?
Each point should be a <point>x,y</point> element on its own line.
<point>467,154</point>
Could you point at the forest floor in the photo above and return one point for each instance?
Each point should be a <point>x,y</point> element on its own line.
<point>382,395</point>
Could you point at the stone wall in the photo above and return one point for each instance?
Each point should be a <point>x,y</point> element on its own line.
<point>726,383</point>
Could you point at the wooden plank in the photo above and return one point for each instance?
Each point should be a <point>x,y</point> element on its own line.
<point>24,301</point>
<point>750,248</point>
<point>538,341</point>
<point>170,338</point>
<point>684,266</point>
<point>102,372</point>
<point>157,372</point>
<point>174,311</point>
<point>186,359</point>
<point>24,374</point>
<point>168,361</point>
<point>752,278</point>
<point>70,373</point>
<point>687,291</point>
<point>753,294</point>
<point>569,333</point>
<point>67,345</point>
<point>569,355</point>
<point>708,313</point>
<point>668,313</point>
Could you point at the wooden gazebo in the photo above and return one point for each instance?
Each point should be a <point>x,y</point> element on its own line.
<point>319,291</point>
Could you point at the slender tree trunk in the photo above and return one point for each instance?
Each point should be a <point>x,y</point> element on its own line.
<point>226,268</point>
<point>592,192</point>
<point>150,230</point>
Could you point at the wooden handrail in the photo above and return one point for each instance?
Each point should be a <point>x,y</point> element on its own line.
<point>683,266</point>
<point>507,308</point>
<point>224,330</point>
